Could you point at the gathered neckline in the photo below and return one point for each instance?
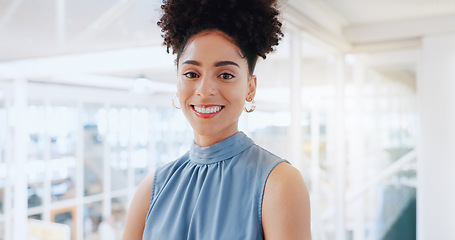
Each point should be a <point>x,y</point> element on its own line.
<point>220,151</point>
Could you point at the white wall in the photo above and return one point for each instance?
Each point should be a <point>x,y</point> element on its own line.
<point>436,157</point>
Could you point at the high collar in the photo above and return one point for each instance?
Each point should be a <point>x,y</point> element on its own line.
<point>220,151</point>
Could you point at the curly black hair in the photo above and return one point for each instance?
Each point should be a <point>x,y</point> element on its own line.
<point>252,24</point>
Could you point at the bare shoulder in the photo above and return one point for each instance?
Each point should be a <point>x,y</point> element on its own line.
<point>286,205</point>
<point>137,212</point>
<point>284,172</point>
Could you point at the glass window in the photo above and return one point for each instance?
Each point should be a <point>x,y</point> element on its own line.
<point>36,166</point>
<point>119,169</point>
<point>63,179</point>
<point>36,216</point>
<point>3,166</point>
<point>2,230</point>
<point>274,73</point>
<point>270,130</point>
<point>119,210</point>
<point>323,136</point>
<point>66,216</point>
<point>62,127</point>
<point>62,131</point>
<point>387,208</point>
<point>306,144</point>
<point>389,121</point>
<point>118,127</point>
<point>2,187</point>
<point>171,133</point>
<point>3,170</point>
<point>140,127</point>
<point>140,134</point>
<point>119,141</point>
<point>388,131</point>
<point>95,127</point>
<point>36,129</point>
<point>141,161</point>
<point>92,220</point>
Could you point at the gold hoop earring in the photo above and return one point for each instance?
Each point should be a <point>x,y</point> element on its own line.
<point>173,102</point>
<point>252,107</point>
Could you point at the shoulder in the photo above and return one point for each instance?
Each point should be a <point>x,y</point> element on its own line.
<point>137,212</point>
<point>166,170</point>
<point>261,155</point>
<point>286,205</point>
<point>173,165</point>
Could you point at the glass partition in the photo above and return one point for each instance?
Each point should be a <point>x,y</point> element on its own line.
<point>140,141</point>
<point>114,145</point>
<point>92,219</point>
<point>2,230</point>
<point>62,130</point>
<point>140,159</point>
<point>67,216</point>
<point>119,169</point>
<point>36,162</point>
<point>381,132</point>
<point>119,210</point>
<point>387,209</point>
<point>3,165</point>
<point>94,122</point>
<point>270,130</point>
<point>171,134</point>
<point>118,138</point>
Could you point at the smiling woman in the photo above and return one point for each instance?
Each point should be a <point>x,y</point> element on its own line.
<point>225,186</point>
<point>213,76</point>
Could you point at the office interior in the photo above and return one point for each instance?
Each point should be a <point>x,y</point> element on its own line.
<point>359,96</point>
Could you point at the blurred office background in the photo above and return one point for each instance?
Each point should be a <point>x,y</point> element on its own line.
<point>359,96</point>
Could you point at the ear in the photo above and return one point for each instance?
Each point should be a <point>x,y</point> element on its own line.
<point>252,84</point>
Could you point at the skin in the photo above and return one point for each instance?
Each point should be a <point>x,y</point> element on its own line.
<point>212,72</point>
<point>137,212</point>
<point>213,75</point>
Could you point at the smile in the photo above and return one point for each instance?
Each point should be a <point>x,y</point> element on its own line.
<point>205,111</point>
<point>212,109</point>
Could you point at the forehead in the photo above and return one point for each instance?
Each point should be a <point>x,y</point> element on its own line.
<point>212,46</point>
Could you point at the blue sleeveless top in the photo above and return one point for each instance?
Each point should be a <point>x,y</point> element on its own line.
<point>211,193</point>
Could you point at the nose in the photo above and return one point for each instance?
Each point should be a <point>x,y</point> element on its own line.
<point>206,87</point>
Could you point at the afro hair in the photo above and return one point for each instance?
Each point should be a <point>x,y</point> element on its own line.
<point>252,24</point>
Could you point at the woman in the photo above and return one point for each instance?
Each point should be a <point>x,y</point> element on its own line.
<point>225,187</point>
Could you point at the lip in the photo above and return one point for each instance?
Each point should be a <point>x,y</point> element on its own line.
<point>207,115</point>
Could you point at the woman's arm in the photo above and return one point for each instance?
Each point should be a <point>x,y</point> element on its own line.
<point>135,220</point>
<point>286,205</point>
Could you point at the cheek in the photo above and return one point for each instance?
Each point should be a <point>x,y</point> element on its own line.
<point>183,90</point>
<point>239,94</point>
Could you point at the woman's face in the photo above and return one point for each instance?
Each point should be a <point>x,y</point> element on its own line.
<point>213,84</point>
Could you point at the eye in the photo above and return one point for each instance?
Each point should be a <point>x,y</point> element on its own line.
<point>191,75</point>
<point>226,76</point>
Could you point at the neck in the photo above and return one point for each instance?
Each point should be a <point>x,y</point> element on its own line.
<point>209,140</point>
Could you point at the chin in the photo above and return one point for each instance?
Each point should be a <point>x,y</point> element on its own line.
<point>206,131</point>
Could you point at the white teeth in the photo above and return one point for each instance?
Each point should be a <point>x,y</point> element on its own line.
<point>207,110</point>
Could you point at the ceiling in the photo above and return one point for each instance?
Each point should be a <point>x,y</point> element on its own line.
<point>358,12</point>
<point>38,33</point>
<point>38,28</point>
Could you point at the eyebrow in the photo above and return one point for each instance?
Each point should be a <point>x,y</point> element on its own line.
<point>217,64</point>
<point>224,63</point>
<point>192,62</point>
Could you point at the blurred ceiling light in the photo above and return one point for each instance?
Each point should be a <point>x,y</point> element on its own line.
<point>350,59</point>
